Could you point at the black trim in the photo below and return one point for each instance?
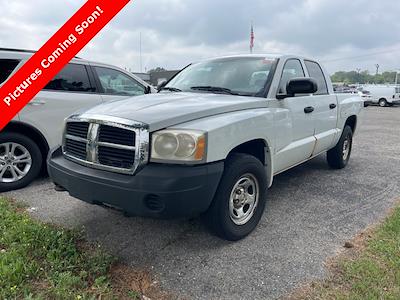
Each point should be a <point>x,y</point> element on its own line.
<point>157,191</point>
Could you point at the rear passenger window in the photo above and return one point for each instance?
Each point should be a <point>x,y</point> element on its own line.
<point>315,71</point>
<point>73,78</point>
<point>292,69</point>
<point>7,66</point>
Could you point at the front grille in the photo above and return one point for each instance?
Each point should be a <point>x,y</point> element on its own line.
<point>106,145</point>
<point>75,148</point>
<point>118,158</point>
<point>116,135</point>
<point>78,129</point>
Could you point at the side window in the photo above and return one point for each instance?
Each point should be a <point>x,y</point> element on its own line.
<point>7,66</point>
<point>73,78</point>
<point>315,71</point>
<point>117,83</point>
<point>292,69</point>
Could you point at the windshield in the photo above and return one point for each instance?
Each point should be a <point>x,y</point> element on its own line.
<point>239,75</point>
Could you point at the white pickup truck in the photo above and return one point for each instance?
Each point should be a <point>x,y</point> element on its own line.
<point>209,143</point>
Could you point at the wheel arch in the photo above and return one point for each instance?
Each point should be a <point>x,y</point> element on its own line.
<point>352,122</point>
<point>32,133</point>
<point>260,149</point>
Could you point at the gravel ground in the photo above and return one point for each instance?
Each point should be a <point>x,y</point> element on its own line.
<point>311,212</point>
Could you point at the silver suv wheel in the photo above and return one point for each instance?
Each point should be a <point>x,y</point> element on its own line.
<point>15,162</point>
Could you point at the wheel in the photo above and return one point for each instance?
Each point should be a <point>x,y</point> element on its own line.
<point>20,161</point>
<point>339,156</point>
<point>240,199</point>
<point>382,102</point>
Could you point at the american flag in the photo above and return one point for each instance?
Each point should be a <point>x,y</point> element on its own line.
<point>251,39</point>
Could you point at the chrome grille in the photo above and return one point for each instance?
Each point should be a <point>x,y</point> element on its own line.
<point>109,134</point>
<point>106,143</point>
<point>78,129</point>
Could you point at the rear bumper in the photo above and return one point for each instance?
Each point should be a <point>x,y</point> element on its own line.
<point>157,191</point>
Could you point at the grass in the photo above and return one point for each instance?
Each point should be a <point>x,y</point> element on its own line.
<point>371,270</point>
<point>40,261</point>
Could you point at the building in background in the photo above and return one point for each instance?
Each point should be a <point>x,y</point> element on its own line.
<point>157,77</point>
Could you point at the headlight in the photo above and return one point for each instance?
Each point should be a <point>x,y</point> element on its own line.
<point>178,145</point>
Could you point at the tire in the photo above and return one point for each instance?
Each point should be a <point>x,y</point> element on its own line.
<point>29,165</point>
<point>223,217</point>
<point>337,158</point>
<point>382,102</point>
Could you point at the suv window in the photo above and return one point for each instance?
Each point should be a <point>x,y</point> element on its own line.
<point>292,69</point>
<point>315,71</point>
<point>73,78</point>
<point>7,66</point>
<point>115,82</point>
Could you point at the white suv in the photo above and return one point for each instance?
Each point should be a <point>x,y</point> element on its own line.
<point>26,140</point>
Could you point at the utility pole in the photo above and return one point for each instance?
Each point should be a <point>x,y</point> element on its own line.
<point>397,77</point>
<point>140,51</point>
<point>377,68</point>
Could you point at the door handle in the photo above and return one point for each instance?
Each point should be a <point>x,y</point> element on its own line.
<point>332,106</point>
<point>308,109</point>
<point>37,102</point>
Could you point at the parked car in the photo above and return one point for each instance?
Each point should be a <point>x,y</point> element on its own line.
<point>209,143</point>
<point>26,140</point>
<point>382,95</point>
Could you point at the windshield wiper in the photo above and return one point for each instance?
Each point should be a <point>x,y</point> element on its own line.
<point>170,88</point>
<point>214,89</point>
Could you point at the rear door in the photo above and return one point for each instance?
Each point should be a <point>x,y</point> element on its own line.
<point>325,109</point>
<point>114,84</point>
<point>70,90</point>
<point>295,142</point>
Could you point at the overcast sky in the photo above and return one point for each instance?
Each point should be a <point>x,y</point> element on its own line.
<point>344,34</point>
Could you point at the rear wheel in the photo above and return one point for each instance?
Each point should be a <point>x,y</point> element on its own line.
<point>382,102</point>
<point>20,161</point>
<point>240,198</point>
<point>339,156</point>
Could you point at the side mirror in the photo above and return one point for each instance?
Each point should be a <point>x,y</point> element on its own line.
<point>300,86</point>
<point>162,84</point>
<point>147,90</point>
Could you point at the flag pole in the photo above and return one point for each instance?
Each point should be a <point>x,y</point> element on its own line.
<point>251,38</point>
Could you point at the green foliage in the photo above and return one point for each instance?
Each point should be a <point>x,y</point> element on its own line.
<point>39,261</point>
<point>364,77</point>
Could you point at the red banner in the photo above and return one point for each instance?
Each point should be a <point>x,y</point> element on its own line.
<point>54,55</point>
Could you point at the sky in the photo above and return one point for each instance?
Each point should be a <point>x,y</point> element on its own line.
<point>342,34</point>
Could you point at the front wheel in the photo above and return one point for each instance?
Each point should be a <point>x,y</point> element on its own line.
<point>339,156</point>
<point>20,161</point>
<point>240,199</point>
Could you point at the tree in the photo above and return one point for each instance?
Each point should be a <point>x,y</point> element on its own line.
<point>158,69</point>
<point>363,77</point>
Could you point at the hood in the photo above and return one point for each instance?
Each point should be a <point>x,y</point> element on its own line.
<point>168,109</point>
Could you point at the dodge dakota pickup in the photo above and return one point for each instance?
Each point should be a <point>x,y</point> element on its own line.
<point>209,143</point>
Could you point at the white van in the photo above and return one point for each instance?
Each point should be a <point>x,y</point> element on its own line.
<point>384,95</point>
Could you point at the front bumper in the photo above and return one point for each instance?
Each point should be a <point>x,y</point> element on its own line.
<point>157,191</point>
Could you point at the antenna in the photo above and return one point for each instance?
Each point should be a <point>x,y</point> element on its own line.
<point>140,51</point>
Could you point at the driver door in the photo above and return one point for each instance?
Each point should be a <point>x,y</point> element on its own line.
<point>294,138</point>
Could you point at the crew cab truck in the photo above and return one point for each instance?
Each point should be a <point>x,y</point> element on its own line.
<point>209,143</point>
<point>26,140</point>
